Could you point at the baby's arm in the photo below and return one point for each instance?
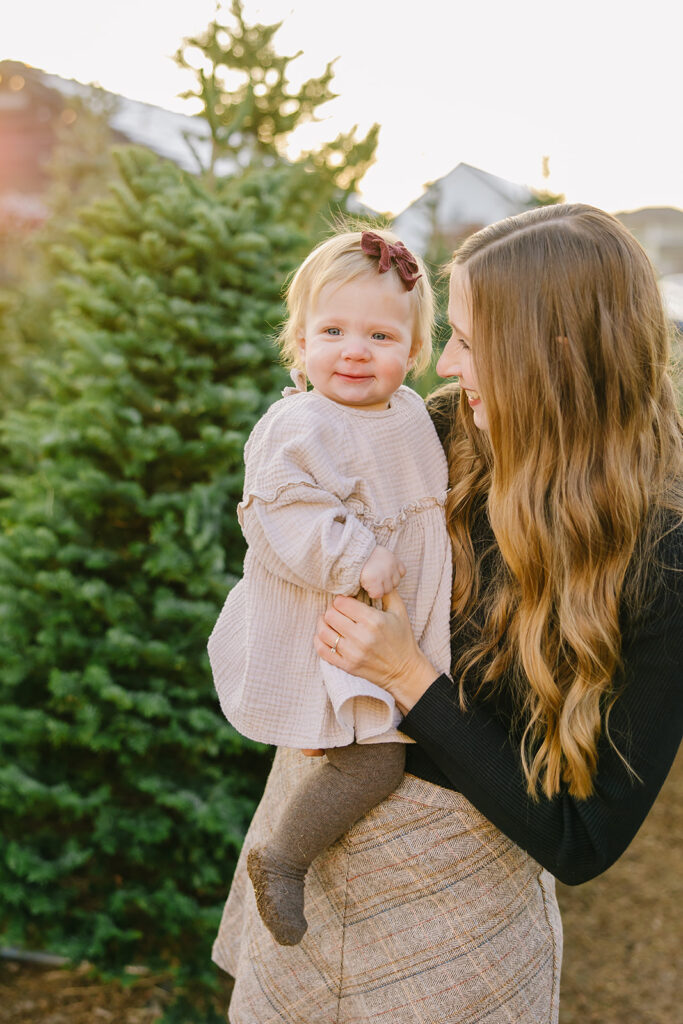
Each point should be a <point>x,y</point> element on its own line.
<point>294,515</point>
<point>381,573</point>
<point>306,536</point>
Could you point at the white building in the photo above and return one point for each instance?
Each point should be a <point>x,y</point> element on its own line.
<point>182,138</point>
<point>453,207</point>
<point>659,229</point>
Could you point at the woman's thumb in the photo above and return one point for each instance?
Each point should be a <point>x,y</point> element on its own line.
<point>393,602</point>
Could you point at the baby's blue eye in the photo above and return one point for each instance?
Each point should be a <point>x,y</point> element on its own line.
<point>334,331</point>
<point>378,336</point>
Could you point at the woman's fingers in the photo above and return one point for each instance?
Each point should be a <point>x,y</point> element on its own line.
<point>351,608</point>
<point>359,631</point>
<point>341,651</point>
<point>349,630</point>
<point>340,641</point>
<point>328,635</point>
<point>326,652</point>
<point>394,603</point>
<point>376,645</point>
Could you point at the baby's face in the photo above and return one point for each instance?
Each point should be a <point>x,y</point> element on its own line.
<point>357,340</point>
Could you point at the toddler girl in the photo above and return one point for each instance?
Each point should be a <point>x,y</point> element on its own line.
<point>344,489</point>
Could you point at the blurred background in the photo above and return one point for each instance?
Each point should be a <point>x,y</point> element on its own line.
<point>163,167</point>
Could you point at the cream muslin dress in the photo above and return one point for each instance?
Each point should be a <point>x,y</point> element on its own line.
<point>324,484</point>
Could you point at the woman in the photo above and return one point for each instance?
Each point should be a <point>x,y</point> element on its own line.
<point>543,753</point>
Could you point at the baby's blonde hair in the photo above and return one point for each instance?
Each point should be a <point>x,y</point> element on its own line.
<point>340,259</point>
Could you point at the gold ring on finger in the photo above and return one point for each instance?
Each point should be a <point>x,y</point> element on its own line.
<point>334,648</point>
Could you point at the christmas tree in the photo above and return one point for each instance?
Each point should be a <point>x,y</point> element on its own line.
<point>119,544</point>
<point>124,794</point>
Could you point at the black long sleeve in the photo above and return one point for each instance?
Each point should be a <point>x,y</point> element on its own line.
<point>475,753</point>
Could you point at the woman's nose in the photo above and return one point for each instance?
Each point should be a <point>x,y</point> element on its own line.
<point>448,364</point>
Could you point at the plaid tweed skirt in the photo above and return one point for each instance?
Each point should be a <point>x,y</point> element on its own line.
<point>423,913</point>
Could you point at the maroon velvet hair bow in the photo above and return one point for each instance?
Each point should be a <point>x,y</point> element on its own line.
<point>373,244</point>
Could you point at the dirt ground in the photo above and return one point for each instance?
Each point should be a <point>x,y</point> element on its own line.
<point>43,995</point>
<point>623,961</point>
<point>623,932</point>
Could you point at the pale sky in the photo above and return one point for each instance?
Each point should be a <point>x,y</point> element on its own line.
<point>593,84</point>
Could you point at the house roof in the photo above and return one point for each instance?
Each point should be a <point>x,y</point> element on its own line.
<point>463,200</point>
<point>508,190</point>
<point>182,138</point>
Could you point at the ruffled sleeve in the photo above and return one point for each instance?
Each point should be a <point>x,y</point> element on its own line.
<point>292,515</point>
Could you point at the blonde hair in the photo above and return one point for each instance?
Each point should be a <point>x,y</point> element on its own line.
<point>581,462</point>
<point>339,260</point>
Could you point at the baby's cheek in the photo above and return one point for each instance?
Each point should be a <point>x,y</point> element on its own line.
<point>395,371</point>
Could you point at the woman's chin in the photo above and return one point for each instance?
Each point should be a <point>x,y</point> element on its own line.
<point>480,418</point>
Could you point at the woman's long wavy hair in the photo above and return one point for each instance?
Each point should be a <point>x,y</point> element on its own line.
<point>581,461</point>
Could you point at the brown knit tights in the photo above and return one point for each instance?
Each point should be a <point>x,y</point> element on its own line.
<point>348,783</point>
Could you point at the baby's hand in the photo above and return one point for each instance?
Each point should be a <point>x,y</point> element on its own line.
<point>381,573</point>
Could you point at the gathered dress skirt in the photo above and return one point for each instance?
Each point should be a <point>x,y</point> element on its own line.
<point>423,913</point>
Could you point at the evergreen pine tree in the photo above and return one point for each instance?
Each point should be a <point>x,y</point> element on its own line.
<point>254,119</point>
<point>123,792</point>
<point>250,123</point>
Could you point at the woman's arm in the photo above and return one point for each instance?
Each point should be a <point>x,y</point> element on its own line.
<point>575,839</point>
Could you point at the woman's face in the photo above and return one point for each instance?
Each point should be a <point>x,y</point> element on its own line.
<point>456,358</point>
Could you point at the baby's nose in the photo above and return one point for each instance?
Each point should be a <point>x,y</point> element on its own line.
<point>356,347</point>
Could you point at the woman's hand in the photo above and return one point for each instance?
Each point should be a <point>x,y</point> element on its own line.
<point>376,645</point>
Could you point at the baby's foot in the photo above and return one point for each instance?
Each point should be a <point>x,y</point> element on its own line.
<point>279,896</point>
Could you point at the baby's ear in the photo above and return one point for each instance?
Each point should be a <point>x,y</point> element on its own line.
<point>414,352</point>
<point>301,345</point>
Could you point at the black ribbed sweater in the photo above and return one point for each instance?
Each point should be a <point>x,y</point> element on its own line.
<point>478,753</point>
